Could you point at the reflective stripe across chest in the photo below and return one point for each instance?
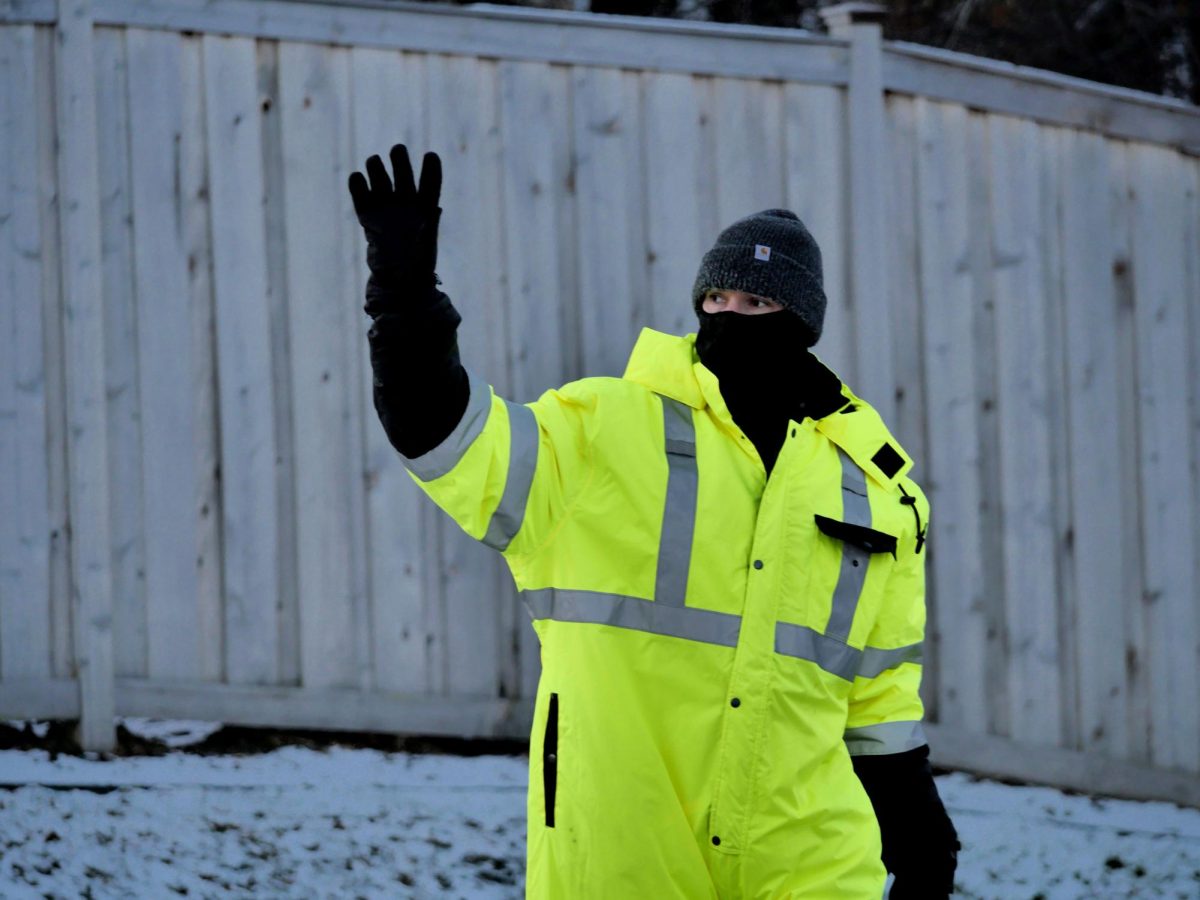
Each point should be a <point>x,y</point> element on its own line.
<point>667,614</point>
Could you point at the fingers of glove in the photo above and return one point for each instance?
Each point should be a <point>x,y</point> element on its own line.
<point>359,193</point>
<point>381,185</point>
<point>406,188</point>
<point>431,182</point>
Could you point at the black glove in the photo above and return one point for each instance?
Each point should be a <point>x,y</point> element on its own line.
<point>420,386</point>
<point>401,226</point>
<point>920,845</point>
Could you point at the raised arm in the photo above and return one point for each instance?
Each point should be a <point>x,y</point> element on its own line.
<point>420,386</point>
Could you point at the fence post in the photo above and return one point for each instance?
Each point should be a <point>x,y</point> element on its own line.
<point>862,25</point>
<point>83,364</point>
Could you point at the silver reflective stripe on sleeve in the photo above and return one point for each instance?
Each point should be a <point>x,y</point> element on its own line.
<point>679,511</point>
<point>884,738</point>
<point>876,661</point>
<point>446,455</point>
<point>856,509</point>
<point>594,608</point>
<point>522,461</point>
<point>832,655</point>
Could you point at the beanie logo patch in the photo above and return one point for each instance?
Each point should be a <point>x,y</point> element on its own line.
<point>763,252</point>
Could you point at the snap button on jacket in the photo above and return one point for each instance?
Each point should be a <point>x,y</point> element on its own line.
<point>716,644</point>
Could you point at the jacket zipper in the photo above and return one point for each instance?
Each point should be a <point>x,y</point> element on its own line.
<point>550,759</point>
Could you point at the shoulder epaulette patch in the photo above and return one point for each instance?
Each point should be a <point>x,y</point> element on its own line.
<point>888,460</point>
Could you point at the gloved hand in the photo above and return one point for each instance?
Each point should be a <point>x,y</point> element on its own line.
<point>401,226</point>
<point>920,843</point>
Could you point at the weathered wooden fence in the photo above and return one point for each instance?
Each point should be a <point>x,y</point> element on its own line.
<point>200,516</point>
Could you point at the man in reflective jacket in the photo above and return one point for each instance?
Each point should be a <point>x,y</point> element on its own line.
<point>722,555</point>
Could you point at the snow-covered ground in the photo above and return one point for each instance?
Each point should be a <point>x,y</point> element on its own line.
<point>345,822</point>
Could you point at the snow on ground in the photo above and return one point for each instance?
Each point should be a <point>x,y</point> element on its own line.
<point>349,822</point>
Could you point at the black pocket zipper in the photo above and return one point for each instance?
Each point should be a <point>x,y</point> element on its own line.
<point>550,759</point>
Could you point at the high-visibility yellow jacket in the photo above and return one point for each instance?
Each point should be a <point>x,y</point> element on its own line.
<point>715,643</point>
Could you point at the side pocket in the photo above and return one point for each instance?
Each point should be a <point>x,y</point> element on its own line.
<point>550,759</point>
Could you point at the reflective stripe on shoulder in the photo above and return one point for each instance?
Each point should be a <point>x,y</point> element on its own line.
<point>884,738</point>
<point>679,510</point>
<point>852,575</point>
<point>446,455</point>
<point>522,462</point>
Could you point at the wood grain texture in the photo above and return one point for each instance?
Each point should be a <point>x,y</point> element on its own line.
<point>1164,426</point>
<point>61,598</point>
<point>681,220</point>
<point>814,132</point>
<point>959,632</point>
<point>25,624</point>
<point>613,300</point>
<point>121,364</point>
<point>83,356</point>
<point>1090,278</point>
<point>314,108</point>
<point>165,354</point>
<point>1026,496</point>
<point>250,572</point>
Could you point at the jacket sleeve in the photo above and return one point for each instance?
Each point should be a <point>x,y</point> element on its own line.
<point>885,708</point>
<point>420,386</point>
<point>508,472</point>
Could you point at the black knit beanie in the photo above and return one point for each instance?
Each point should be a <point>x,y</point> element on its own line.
<point>770,254</point>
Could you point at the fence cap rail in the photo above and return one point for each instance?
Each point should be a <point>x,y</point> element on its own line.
<point>699,48</point>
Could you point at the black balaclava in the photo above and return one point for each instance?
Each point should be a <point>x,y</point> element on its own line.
<point>766,374</point>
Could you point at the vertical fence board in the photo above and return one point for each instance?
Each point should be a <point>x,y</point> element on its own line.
<point>748,147</point>
<point>205,507</point>
<point>165,353</point>
<point>1026,476</point>
<point>904,300</point>
<point>275,218</point>
<point>1159,229</point>
<point>1051,174</point>
<point>679,194</point>
<point>24,481</point>
<point>54,337</point>
<point>313,84</point>
<point>1191,182</point>
<point>83,356</point>
<point>959,632</point>
<point>1091,358</point>
<point>1125,408</point>
<point>247,428</point>
<point>389,90</point>
<point>987,478</point>
<point>613,298</point>
<point>121,364</point>
<point>814,126</point>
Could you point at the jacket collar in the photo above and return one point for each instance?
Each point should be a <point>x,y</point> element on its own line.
<point>667,364</point>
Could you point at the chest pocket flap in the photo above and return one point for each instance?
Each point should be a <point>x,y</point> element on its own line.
<point>868,539</point>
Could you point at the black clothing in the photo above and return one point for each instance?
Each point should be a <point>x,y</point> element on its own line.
<point>920,845</point>
<point>767,374</point>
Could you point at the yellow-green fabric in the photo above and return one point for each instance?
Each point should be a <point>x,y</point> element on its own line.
<point>702,738</point>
